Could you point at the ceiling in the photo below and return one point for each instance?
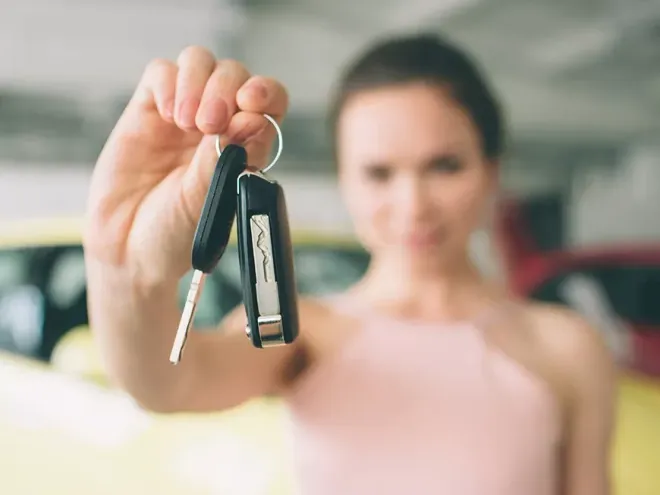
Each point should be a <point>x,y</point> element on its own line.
<point>580,77</point>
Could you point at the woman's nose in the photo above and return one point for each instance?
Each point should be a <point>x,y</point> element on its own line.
<point>412,198</point>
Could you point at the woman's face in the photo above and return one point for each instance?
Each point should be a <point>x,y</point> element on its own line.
<point>412,173</point>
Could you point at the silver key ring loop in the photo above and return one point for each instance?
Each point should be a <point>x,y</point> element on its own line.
<point>280,144</point>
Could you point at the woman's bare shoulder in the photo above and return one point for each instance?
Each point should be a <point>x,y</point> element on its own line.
<point>558,346</point>
<point>323,329</point>
<point>325,323</point>
<point>574,351</point>
<point>313,308</point>
<point>323,313</point>
<point>566,335</point>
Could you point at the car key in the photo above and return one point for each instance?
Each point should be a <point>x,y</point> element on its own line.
<point>266,258</point>
<point>212,234</point>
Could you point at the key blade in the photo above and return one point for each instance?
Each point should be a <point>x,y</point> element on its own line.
<point>188,316</point>
<point>182,332</point>
<point>266,284</point>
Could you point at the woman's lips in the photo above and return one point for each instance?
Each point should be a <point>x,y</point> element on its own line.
<point>422,239</point>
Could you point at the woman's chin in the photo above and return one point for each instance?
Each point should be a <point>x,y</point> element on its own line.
<point>429,255</point>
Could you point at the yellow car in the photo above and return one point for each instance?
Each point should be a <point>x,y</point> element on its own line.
<point>64,430</point>
<point>64,435</point>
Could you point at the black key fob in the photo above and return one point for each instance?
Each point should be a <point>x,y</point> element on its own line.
<point>266,258</point>
<point>212,235</point>
<point>217,219</point>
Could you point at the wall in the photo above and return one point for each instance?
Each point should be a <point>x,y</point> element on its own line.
<point>622,205</point>
<point>36,191</point>
<point>59,44</point>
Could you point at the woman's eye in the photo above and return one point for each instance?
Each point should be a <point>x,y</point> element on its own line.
<point>378,173</point>
<point>446,164</point>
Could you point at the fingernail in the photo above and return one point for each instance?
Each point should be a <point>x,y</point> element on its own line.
<point>258,90</point>
<point>215,113</point>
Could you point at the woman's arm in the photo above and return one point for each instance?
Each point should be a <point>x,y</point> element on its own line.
<point>591,391</point>
<point>135,330</point>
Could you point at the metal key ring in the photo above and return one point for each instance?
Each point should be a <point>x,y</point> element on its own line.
<point>280,144</point>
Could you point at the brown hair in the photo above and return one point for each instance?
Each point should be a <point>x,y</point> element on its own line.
<point>430,59</point>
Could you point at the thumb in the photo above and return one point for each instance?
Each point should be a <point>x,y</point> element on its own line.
<point>197,178</point>
<point>255,133</point>
<point>251,130</point>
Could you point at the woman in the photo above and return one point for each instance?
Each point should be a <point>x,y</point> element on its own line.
<point>423,377</point>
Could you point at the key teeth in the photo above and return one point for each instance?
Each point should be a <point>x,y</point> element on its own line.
<point>177,348</point>
<point>187,317</point>
<point>175,354</point>
<point>182,332</point>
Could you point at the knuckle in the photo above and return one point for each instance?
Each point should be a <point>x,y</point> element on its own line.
<point>205,127</point>
<point>280,89</point>
<point>273,84</point>
<point>158,65</point>
<point>194,52</point>
<point>231,65</point>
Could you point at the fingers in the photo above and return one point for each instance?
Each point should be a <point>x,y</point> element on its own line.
<point>218,102</point>
<point>195,181</point>
<point>246,126</point>
<point>259,95</point>
<point>196,65</point>
<point>200,93</point>
<point>263,95</point>
<point>254,132</point>
<point>157,87</point>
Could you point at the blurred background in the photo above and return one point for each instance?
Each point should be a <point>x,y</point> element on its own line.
<point>579,213</point>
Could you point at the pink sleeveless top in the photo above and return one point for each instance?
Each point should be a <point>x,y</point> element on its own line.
<point>420,409</point>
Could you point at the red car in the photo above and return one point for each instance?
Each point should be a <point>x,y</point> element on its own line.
<point>617,288</point>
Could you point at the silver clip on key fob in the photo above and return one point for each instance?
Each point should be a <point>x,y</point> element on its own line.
<point>266,258</point>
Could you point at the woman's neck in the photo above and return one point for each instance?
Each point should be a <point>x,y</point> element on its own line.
<point>455,291</point>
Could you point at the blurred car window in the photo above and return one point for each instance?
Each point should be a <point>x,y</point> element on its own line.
<point>325,271</point>
<point>67,279</point>
<point>21,303</point>
<point>21,319</point>
<point>46,284</point>
<point>632,291</point>
<point>14,267</point>
<point>649,296</point>
<point>320,270</point>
